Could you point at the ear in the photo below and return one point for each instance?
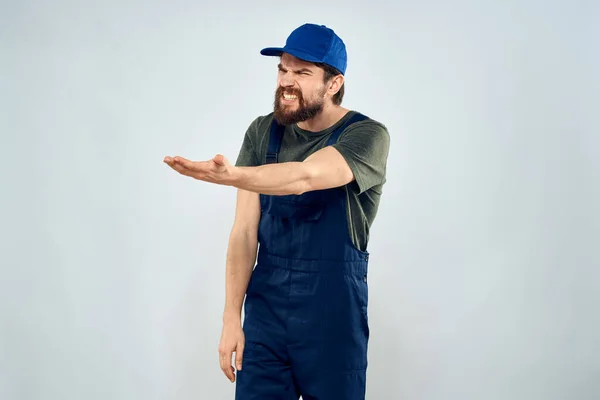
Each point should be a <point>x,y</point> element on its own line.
<point>334,84</point>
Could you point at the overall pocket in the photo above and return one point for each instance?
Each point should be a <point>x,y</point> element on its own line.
<point>282,207</point>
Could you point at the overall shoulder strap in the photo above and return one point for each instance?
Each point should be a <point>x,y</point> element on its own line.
<point>277,130</point>
<point>357,117</point>
<point>275,137</point>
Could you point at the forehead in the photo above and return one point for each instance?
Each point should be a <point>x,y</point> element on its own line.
<point>289,61</point>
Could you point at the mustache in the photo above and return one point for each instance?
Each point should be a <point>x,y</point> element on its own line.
<point>282,90</point>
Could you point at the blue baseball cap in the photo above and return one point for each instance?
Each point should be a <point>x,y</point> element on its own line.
<point>314,43</point>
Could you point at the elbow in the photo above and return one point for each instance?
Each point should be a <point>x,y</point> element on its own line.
<point>307,181</point>
<point>243,233</point>
<point>302,187</point>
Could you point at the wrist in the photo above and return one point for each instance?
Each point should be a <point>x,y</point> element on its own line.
<point>232,317</point>
<point>236,177</point>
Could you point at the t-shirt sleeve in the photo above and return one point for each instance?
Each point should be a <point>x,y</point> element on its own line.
<point>365,147</point>
<point>248,156</point>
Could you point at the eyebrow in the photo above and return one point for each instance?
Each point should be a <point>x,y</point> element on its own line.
<point>296,71</point>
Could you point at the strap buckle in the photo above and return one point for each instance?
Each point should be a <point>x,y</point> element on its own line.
<point>272,158</point>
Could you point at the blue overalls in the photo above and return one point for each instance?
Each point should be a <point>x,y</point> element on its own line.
<point>305,325</point>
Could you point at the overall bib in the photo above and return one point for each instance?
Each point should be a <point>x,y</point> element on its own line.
<point>305,325</point>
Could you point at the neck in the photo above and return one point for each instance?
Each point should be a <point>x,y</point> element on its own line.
<point>326,118</point>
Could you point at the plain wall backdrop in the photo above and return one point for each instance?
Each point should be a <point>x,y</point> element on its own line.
<point>484,275</point>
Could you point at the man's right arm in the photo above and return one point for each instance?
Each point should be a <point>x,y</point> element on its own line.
<point>241,256</point>
<point>243,242</point>
<point>241,253</point>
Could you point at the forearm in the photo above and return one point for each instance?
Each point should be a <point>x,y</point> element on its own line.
<point>275,179</point>
<point>241,255</point>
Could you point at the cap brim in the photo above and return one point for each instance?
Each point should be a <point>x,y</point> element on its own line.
<point>272,51</point>
<point>277,51</point>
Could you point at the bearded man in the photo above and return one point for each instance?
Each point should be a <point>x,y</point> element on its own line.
<point>309,177</point>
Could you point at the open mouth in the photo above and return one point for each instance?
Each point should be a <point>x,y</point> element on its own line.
<point>289,97</point>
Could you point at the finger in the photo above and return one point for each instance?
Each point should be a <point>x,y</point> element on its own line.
<point>181,169</point>
<point>182,160</point>
<point>226,366</point>
<point>219,159</point>
<point>201,167</point>
<point>187,163</point>
<point>239,355</point>
<point>171,162</point>
<point>223,362</point>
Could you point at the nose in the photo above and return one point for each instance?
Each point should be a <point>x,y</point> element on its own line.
<point>285,80</point>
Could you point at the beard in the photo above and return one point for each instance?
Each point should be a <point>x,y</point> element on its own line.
<point>304,111</point>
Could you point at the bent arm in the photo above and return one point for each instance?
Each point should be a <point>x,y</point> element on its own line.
<point>241,253</point>
<point>324,169</point>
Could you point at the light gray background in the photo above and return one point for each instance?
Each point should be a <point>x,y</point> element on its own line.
<point>484,279</point>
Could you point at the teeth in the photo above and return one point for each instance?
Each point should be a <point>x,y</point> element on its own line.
<point>289,96</point>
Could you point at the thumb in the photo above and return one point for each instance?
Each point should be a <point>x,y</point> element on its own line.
<point>219,159</point>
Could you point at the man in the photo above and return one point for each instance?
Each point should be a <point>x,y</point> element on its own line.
<point>309,178</point>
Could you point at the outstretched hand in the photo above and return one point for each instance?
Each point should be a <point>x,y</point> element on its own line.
<point>217,170</point>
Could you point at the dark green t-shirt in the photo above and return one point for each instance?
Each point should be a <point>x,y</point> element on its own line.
<point>364,145</point>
